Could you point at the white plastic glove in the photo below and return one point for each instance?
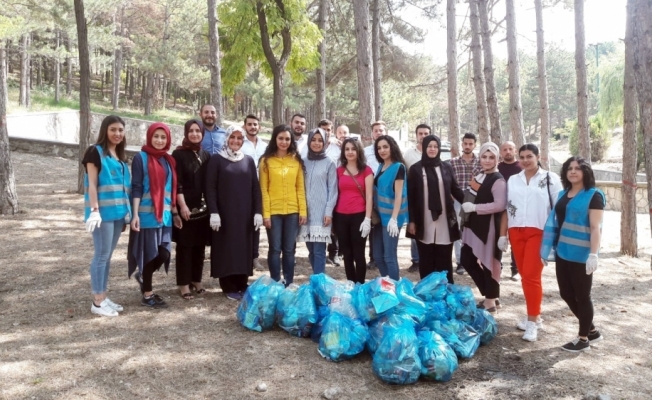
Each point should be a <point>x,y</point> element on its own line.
<point>392,227</point>
<point>258,221</point>
<point>216,222</point>
<point>468,207</point>
<point>365,227</point>
<point>94,221</point>
<point>544,262</point>
<point>502,243</point>
<point>591,263</point>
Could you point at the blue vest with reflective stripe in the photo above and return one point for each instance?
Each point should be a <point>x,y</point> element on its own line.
<point>384,195</point>
<point>146,209</point>
<point>574,242</point>
<point>113,189</point>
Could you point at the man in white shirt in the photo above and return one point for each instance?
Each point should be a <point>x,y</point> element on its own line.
<point>334,150</point>
<point>378,129</point>
<point>411,157</point>
<point>254,147</point>
<point>298,126</point>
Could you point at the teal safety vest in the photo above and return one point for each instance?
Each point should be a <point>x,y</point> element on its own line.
<point>113,189</point>
<point>384,195</point>
<point>146,209</point>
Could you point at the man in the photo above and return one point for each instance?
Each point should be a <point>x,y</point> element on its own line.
<point>298,126</point>
<point>334,149</point>
<point>508,167</point>
<point>254,147</point>
<point>378,129</point>
<point>465,167</point>
<point>412,156</point>
<point>213,135</point>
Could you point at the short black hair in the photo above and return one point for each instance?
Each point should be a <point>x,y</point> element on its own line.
<point>324,122</point>
<point>469,135</point>
<point>297,115</point>
<point>588,178</point>
<point>422,126</point>
<point>250,116</point>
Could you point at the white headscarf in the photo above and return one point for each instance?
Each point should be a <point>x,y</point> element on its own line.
<point>226,152</point>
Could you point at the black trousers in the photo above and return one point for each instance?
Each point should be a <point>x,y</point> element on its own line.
<point>190,264</point>
<point>575,290</point>
<point>234,283</point>
<point>333,246</point>
<point>256,242</point>
<point>435,258</point>
<point>149,268</point>
<point>352,245</point>
<point>486,284</point>
<point>371,243</point>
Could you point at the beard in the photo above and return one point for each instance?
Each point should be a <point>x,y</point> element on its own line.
<point>509,159</point>
<point>205,122</point>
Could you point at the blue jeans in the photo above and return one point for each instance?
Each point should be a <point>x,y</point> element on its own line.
<point>282,238</point>
<point>385,252</point>
<point>317,256</point>
<point>414,251</point>
<point>105,238</point>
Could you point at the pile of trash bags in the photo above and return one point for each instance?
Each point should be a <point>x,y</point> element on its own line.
<point>410,330</point>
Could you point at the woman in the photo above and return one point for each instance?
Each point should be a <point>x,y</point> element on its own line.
<point>433,224</point>
<point>531,195</point>
<point>352,218</point>
<point>107,185</point>
<point>192,235</point>
<point>480,255</point>
<point>233,196</point>
<point>573,230</point>
<point>284,200</point>
<point>154,194</point>
<point>321,194</point>
<point>390,200</point>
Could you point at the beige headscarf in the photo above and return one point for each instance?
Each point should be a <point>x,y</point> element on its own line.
<point>493,148</point>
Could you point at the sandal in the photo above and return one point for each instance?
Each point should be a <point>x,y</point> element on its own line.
<point>199,291</point>
<point>187,296</point>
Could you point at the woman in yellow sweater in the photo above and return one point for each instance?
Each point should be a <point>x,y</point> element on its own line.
<point>284,201</point>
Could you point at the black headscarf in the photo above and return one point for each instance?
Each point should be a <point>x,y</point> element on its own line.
<point>324,137</point>
<point>429,165</point>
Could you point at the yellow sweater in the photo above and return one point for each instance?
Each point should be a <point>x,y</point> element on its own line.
<point>282,187</point>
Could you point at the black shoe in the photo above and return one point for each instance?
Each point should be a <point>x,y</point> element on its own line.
<point>371,265</point>
<point>460,270</point>
<point>577,345</point>
<point>594,336</point>
<point>154,301</point>
<point>414,267</point>
<point>335,260</point>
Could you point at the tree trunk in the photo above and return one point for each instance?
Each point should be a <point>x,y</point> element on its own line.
<point>148,91</point>
<point>214,48</point>
<point>584,139</point>
<point>68,65</point>
<point>28,88</point>
<point>117,65</point>
<point>478,75</point>
<point>492,100</point>
<point>375,54</point>
<point>364,72</point>
<point>8,196</point>
<point>451,70</point>
<point>84,90</point>
<point>628,236</point>
<point>515,107</point>
<point>4,63</point>
<point>57,70</point>
<point>24,71</point>
<point>320,94</point>
<point>542,79</point>
<point>132,83</point>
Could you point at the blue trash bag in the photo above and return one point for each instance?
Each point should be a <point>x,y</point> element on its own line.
<point>438,360</point>
<point>377,328</point>
<point>342,337</point>
<point>432,287</point>
<point>324,287</point>
<point>397,359</point>
<point>486,326</point>
<point>322,313</point>
<point>258,306</point>
<point>462,338</point>
<point>461,303</point>
<point>296,312</point>
<point>436,311</point>
<point>375,298</point>
<point>409,303</point>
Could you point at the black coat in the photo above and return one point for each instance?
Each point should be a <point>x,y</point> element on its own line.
<point>416,207</point>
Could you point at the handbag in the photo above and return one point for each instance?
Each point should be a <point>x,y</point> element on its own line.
<point>375,217</point>
<point>199,213</point>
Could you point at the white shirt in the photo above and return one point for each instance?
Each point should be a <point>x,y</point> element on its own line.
<point>528,205</point>
<point>254,151</point>
<point>333,151</point>
<point>371,158</point>
<point>302,146</point>
<point>412,156</point>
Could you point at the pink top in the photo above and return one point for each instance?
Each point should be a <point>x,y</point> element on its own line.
<point>350,200</point>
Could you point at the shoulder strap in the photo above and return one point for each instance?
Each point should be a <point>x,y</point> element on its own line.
<point>548,186</point>
<point>356,183</point>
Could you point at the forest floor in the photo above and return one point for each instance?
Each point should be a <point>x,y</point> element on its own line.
<point>52,347</point>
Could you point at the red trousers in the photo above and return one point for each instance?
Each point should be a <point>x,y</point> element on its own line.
<point>526,243</point>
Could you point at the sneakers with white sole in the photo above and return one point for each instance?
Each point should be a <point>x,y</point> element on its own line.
<point>595,336</point>
<point>113,305</point>
<point>522,324</point>
<point>530,331</point>
<point>104,310</point>
<point>577,345</point>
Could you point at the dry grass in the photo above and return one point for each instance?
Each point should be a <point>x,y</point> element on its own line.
<point>52,347</point>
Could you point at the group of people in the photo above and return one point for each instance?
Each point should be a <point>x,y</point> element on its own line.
<point>221,186</point>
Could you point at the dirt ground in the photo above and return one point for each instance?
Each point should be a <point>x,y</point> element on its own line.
<point>52,347</point>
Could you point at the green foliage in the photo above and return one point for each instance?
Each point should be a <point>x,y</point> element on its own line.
<point>611,94</point>
<point>599,136</point>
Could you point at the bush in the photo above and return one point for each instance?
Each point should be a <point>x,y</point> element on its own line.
<point>599,136</point>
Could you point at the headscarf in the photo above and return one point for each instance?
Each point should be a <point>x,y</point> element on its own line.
<point>492,148</point>
<point>324,136</point>
<point>186,144</point>
<point>226,152</point>
<point>157,173</point>
<point>429,165</point>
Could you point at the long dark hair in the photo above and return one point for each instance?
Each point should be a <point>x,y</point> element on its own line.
<point>272,147</point>
<point>103,137</point>
<point>588,178</point>
<point>394,150</point>
<point>361,160</point>
<point>533,148</point>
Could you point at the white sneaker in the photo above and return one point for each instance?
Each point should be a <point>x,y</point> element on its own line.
<point>530,331</point>
<point>113,305</point>
<point>522,324</point>
<point>258,266</point>
<point>104,310</point>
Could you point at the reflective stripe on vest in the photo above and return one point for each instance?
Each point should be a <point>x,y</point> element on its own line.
<point>574,243</point>
<point>146,208</point>
<point>113,189</point>
<point>384,196</point>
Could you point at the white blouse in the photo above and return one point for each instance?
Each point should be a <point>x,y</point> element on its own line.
<point>528,204</point>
